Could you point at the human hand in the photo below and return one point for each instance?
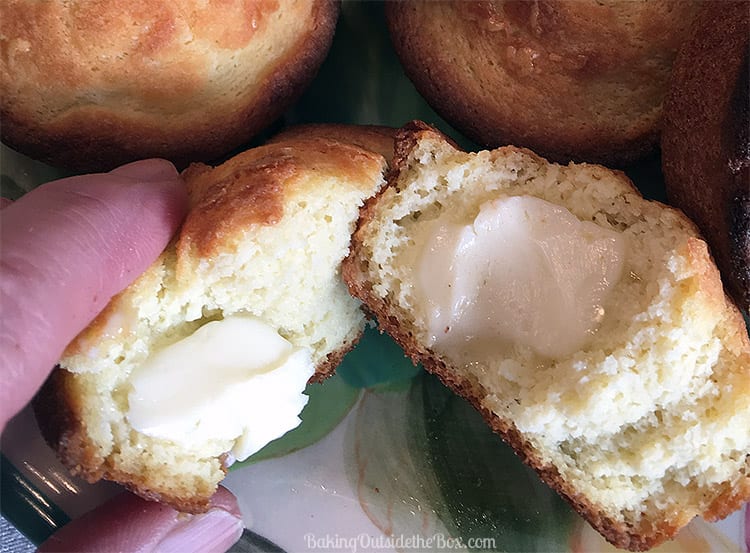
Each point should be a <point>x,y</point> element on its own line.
<point>66,248</point>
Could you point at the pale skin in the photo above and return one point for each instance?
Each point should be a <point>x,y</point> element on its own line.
<point>66,248</point>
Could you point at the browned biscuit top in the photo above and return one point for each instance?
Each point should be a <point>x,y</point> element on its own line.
<point>89,85</point>
<point>705,144</point>
<point>374,138</point>
<point>250,190</point>
<point>82,46</point>
<point>578,80</point>
<point>253,187</point>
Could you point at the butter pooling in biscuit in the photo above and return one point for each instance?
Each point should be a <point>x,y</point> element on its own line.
<point>643,427</point>
<point>524,272</point>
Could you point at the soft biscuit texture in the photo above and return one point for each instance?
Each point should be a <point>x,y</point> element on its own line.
<point>582,80</point>
<point>265,235</point>
<point>706,138</point>
<point>91,85</point>
<point>646,426</point>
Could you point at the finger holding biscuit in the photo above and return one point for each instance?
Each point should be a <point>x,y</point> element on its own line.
<point>67,248</point>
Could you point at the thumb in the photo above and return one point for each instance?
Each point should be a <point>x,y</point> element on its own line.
<point>129,523</point>
<point>66,248</point>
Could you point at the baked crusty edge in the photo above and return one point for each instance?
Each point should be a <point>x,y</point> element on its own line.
<point>617,533</point>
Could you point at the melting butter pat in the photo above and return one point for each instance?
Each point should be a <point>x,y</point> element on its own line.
<point>526,272</point>
<point>233,379</point>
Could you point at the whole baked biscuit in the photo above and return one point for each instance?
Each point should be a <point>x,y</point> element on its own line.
<point>705,143</point>
<point>581,80</point>
<point>91,85</point>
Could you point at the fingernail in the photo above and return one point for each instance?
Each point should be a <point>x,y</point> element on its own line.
<point>217,530</point>
<point>148,170</point>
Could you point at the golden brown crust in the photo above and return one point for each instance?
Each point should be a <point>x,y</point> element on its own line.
<point>328,366</point>
<point>570,80</point>
<point>139,80</point>
<point>705,143</point>
<point>729,501</point>
<point>374,138</point>
<point>57,407</point>
<point>252,188</point>
<point>635,538</point>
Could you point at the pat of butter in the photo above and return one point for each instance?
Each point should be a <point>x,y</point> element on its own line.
<point>525,272</point>
<point>234,379</point>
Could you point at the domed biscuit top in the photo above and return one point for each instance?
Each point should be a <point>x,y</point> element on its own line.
<point>272,196</point>
<point>253,188</point>
<point>93,84</point>
<point>578,80</point>
<point>375,138</point>
<point>83,46</point>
